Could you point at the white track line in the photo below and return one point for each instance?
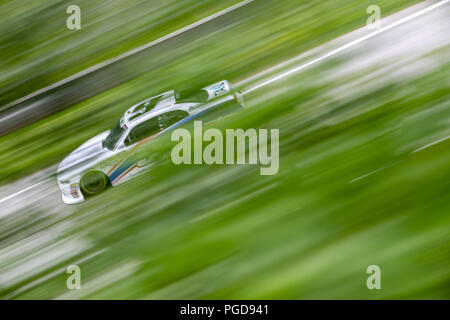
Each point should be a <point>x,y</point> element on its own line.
<point>350,44</point>
<point>431,144</point>
<point>24,190</point>
<point>127,54</point>
<point>390,165</point>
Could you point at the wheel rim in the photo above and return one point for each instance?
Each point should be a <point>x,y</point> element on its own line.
<point>93,182</point>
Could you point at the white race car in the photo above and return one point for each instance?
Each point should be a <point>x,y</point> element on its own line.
<point>94,165</point>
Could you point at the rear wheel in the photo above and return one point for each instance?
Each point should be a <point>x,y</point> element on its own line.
<point>93,182</point>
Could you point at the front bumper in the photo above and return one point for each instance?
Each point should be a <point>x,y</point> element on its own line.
<point>71,193</point>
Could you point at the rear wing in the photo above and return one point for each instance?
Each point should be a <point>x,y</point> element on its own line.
<point>218,89</point>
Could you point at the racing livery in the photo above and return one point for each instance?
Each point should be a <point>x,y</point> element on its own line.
<point>108,158</point>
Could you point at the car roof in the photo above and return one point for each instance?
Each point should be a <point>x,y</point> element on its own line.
<point>146,107</point>
<point>150,107</point>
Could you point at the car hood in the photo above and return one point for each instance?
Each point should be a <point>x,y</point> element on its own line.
<point>88,154</point>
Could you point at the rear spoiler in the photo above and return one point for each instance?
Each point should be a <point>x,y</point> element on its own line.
<point>218,89</point>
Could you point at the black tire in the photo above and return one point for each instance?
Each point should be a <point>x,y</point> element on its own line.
<point>93,182</point>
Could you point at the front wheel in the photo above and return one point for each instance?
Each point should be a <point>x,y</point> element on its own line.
<point>93,182</point>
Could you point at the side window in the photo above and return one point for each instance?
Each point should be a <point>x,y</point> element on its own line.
<point>154,125</point>
<point>142,131</point>
<point>169,118</point>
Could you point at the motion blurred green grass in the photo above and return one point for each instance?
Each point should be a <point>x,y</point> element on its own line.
<point>353,190</point>
<point>279,30</point>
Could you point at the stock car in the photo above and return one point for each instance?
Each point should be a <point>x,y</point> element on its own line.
<point>97,163</point>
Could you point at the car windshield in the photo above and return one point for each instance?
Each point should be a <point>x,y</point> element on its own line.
<point>145,107</point>
<point>191,96</point>
<point>114,136</point>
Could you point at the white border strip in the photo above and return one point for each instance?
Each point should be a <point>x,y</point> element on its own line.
<point>23,190</point>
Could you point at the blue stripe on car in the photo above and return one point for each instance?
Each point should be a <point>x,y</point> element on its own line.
<point>124,166</point>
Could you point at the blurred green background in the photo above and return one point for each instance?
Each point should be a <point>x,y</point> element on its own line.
<point>355,186</point>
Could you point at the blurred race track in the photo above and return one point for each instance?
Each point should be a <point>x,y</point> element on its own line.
<point>40,235</point>
<point>117,70</point>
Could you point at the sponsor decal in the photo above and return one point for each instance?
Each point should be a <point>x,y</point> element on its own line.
<point>219,89</point>
<point>74,190</point>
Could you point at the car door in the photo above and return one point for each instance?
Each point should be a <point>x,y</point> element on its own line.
<point>132,164</point>
<point>129,165</point>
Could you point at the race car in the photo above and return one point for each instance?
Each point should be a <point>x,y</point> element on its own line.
<point>98,163</point>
